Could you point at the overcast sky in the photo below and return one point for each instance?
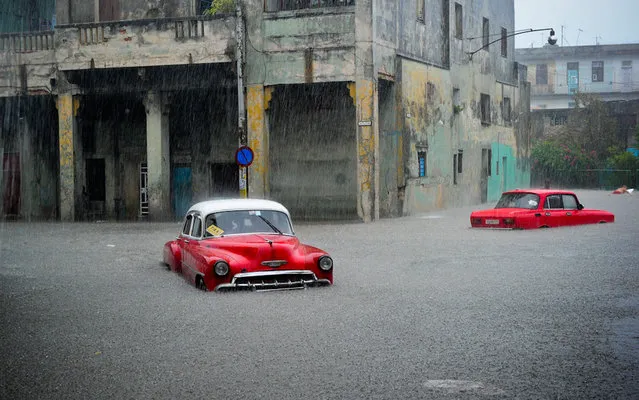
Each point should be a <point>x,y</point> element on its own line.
<point>603,21</point>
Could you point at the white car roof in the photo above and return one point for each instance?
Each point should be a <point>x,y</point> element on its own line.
<point>213,206</point>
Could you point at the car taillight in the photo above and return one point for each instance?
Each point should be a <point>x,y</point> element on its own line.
<point>475,221</point>
<point>509,221</point>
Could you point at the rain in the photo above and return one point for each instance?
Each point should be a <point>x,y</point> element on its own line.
<point>381,126</point>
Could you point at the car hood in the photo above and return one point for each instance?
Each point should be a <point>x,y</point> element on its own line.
<point>256,247</point>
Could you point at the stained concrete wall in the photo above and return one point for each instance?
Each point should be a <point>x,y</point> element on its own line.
<point>145,43</point>
<point>28,126</point>
<point>27,64</point>
<point>301,46</point>
<point>432,124</point>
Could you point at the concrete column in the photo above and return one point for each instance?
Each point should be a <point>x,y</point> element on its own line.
<point>67,131</point>
<point>257,102</point>
<point>158,155</point>
<point>364,92</point>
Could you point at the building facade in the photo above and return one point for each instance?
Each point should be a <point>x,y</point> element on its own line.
<point>557,73</point>
<point>353,108</point>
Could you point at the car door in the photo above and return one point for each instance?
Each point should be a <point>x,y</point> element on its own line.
<point>193,243</point>
<point>571,207</point>
<point>183,241</point>
<point>553,214</point>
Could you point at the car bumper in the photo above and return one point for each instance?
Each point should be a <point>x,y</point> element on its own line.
<point>273,280</point>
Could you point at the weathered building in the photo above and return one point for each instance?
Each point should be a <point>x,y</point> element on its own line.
<point>556,73</point>
<point>365,109</point>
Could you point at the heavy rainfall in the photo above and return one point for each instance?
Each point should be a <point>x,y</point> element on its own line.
<point>380,125</point>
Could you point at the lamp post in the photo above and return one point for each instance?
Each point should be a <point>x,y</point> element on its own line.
<point>552,39</point>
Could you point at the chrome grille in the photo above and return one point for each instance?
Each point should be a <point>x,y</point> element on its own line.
<point>273,280</point>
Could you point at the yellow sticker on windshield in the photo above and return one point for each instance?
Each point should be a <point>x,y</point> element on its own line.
<point>214,230</point>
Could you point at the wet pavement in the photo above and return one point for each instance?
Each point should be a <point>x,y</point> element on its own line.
<point>422,307</point>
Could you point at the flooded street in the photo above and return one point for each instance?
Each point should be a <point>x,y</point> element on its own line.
<point>422,307</point>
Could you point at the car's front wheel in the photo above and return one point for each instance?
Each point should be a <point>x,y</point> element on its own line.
<point>199,283</point>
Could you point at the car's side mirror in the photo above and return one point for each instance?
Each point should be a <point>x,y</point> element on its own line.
<point>580,206</point>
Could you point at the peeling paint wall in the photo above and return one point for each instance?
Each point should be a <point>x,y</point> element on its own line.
<point>442,111</point>
<point>138,44</point>
<point>28,129</point>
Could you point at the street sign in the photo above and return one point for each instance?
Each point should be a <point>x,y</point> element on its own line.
<point>244,156</point>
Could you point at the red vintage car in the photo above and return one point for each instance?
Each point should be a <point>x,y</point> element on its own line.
<point>529,209</point>
<point>250,244</point>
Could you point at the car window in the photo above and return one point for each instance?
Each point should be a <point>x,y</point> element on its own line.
<point>247,221</point>
<point>570,202</point>
<point>197,227</point>
<point>553,201</point>
<point>528,201</point>
<point>186,229</point>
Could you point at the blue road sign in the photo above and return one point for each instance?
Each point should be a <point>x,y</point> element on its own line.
<point>244,156</point>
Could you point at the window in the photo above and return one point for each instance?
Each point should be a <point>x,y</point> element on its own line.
<point>573,77</point>
<point>597,71</point>
<point>421,158</point>
<point>420,10</point>
<point>197,227</point>
<point>541,77</point>
<point>186,230</point>
<point>505,110</point>
<point>570,202</point>
<point>558,120</point>
<point>459,21</point>
<point>504,42</point>
<point>485,33</point>
<point>454,169</point>
<point>485,108</point>
<point>553,201</point>
<point>460,154</point>
<point>457,106</point>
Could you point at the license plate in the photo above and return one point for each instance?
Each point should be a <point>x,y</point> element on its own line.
<point>492,222</point>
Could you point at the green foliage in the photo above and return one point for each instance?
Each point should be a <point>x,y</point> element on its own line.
<point>220,6</point>
<point>590,126</point>
<point>625,161</point>
<point>559,162</point>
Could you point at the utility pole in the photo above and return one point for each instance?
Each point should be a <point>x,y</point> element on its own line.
<point>562,36</point>
<point>241,108</point>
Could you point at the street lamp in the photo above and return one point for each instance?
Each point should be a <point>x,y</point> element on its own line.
<point>552,39</point>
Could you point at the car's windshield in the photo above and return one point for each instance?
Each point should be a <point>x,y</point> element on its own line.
<point>518,200</point>
<point>247,221</point>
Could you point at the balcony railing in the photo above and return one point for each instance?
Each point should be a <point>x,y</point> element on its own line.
<point>27,42</point>
<point>286,5</point>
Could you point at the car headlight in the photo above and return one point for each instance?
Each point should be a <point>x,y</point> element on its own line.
<point>221,268</point>
<point>325,263</point>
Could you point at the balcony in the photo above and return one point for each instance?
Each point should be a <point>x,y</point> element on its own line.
<point>28,63</point>
<point>290,5</point>
<point>143,43</point>
<point>27,42</point>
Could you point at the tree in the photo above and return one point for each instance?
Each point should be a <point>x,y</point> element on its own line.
<point>220,6</point>
<point>590,127</point>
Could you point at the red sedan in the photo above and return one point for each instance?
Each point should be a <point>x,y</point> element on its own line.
<point>245,244</point>
<point>529,209</point>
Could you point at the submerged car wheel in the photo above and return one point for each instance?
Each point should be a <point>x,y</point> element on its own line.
<point>199,283</point>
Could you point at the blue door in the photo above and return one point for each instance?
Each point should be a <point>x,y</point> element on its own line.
<point>182,191</point>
